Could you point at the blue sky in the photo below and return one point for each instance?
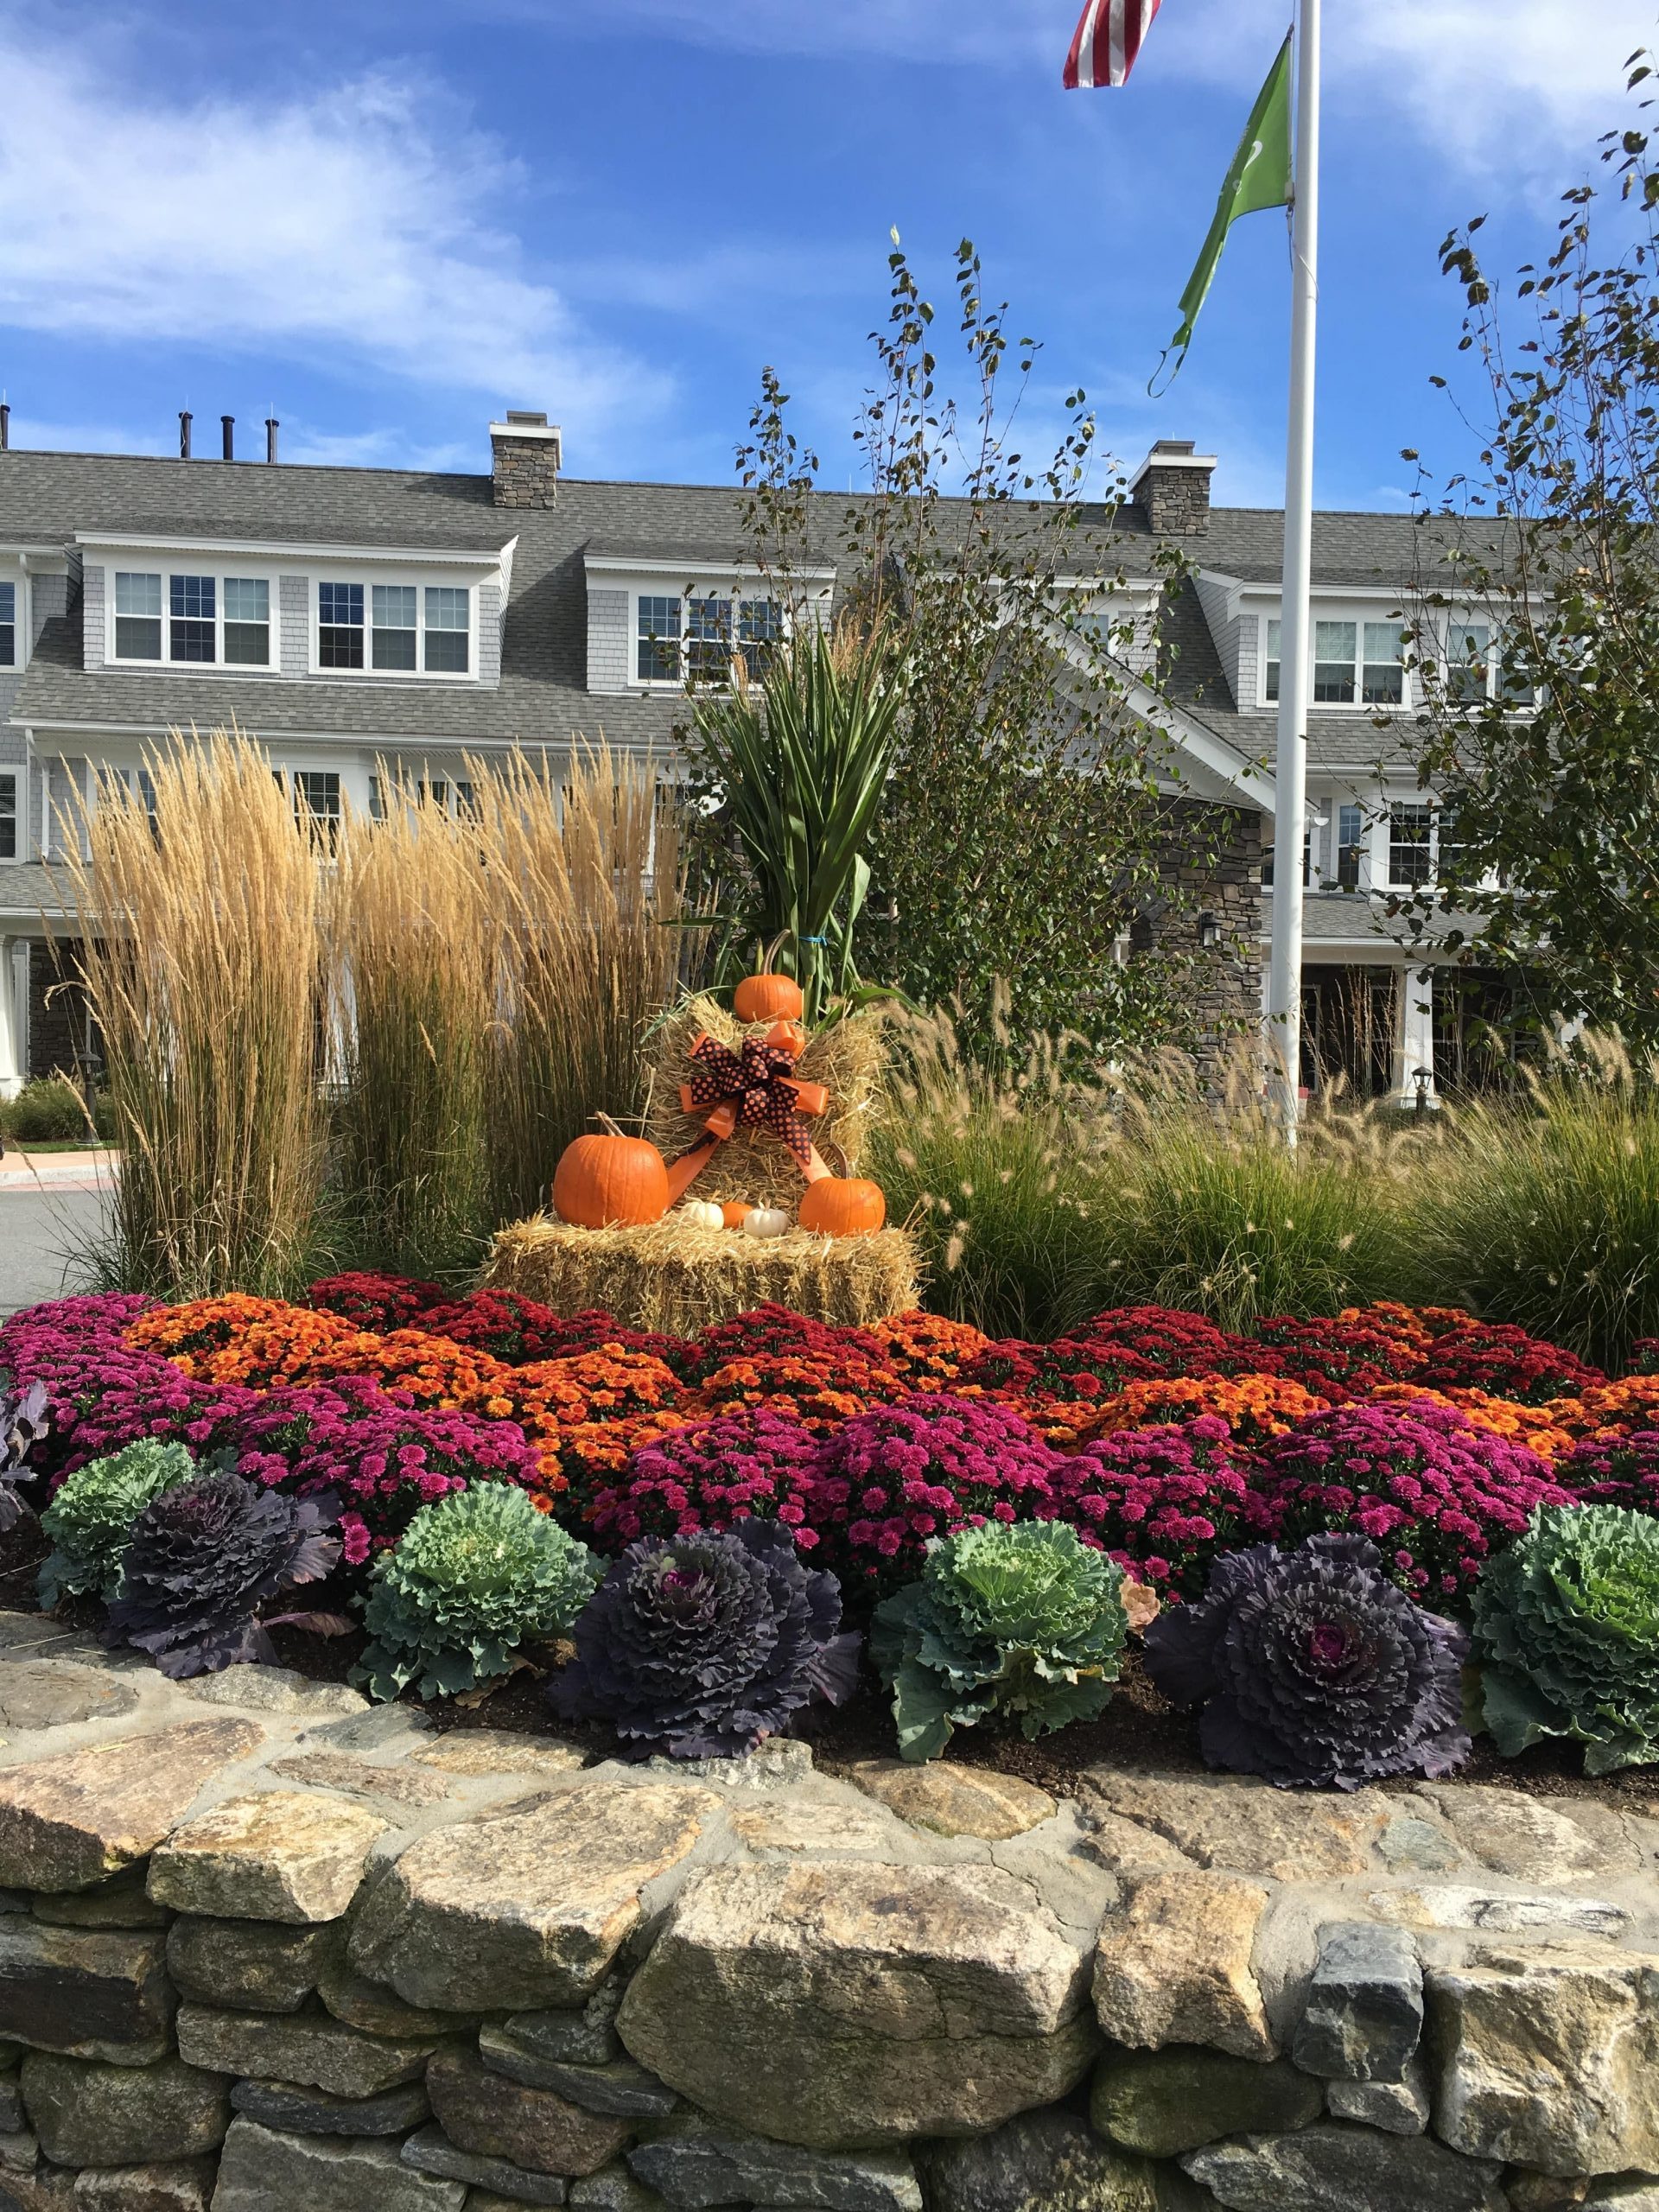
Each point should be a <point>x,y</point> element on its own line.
<point>388,222</point>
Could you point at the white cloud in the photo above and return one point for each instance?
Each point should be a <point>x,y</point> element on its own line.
<point>362,225</point>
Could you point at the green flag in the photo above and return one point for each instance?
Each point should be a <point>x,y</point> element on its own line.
<point>1259,177</point>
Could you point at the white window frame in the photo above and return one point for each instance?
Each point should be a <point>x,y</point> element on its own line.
<point>744,591</point>
<point>18,586</point>
<point>1359,613</point>
<point>345,572</point>
<point>12,788</point>
<point>140,565</point>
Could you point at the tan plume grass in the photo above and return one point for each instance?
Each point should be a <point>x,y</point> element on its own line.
<point>411,967</point>
<point>201,959</point>
<point>583,875</point>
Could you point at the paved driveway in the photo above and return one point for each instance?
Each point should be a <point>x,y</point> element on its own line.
<point>43,1224</point>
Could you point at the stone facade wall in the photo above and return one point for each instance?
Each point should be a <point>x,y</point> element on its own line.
<point>1224,998</point>
<point>525,471</point>
<point>264,1949</point>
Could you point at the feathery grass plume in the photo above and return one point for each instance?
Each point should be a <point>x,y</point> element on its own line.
<point>1202,1207</point>
<point>201,957</point>
<point>1545,1210</point>
<point>411,972</point>
<point>580,875</point>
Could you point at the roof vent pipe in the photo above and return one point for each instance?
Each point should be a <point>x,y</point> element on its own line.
<point>5,426</point>
<point>273,425</point>
<point>227,423</point>
<point>184,433</point>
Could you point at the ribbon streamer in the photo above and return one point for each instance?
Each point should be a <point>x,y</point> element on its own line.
<point>755,1087</point>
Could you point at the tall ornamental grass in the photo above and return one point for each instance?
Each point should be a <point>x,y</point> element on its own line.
<point>411,975</point>
<point>1544,1210</point>
<point>202,960</point>
<point>580,879</point>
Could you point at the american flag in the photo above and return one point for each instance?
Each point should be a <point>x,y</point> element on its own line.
<point>1106,41</point>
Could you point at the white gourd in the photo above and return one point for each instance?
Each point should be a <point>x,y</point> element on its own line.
<point>701,1213</point>
<point>766,1220</point>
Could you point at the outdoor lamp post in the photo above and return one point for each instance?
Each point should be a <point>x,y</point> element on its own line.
<point>1422,1078</point>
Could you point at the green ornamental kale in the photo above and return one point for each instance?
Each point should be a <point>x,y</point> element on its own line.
<point>469,1580</point>
<point>1017,1620</point>
<point>1566,1632</point>
<point>90,1521</point>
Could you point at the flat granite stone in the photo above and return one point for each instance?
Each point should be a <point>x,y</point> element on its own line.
<point>1532,1842</point>
<point>248,1964</point>
<point>431,2152</point>
<point>268,2169</point>
<point>851,2005</point>
<point>621,2088</point>
<point>1399,2107</point>
<point>1162,2102</point>
<point>1173,1965</point>
<point>284,1855</point>
<point>528,1907</point>
<point>305,2048</point>
<point>276,1690</point>
<point>787,1824</point>
<point>484,2114</point>
<point>352,1996</point>
<point>73,1818</point>
<point>1333,2167</point>
<point>1247,1826</point>
<point>1500,1912</point>
<point>355,1777</point>
<point>122,1902</point>
<point>92,2114</point>
<point>480,1752</point>
<point>314,2112</point>
<point>698,2164</point>
<point>1050,2162</point>
<point>613,2188</point>
<point>1549,2058</point>
<point>170,2185</point>
<point>947,1799</point>
<point>88,1993</point>
<point>585,2038</point>
<point>20,2151</point>
<point>51,1693</point>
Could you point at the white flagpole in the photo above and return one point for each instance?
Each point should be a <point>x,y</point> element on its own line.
<point>1284,1029</point>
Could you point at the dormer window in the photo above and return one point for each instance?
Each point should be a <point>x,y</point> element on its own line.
<point>395,629</point>
<point>192,618</point>
<point>1355,664</point>
<point>693,638</point>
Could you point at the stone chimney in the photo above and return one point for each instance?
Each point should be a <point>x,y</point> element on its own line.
<point>524,463</point>
<point>1172,489</point>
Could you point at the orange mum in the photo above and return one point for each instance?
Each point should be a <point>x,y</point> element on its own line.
<point>925,1347</point>
<point>1540,1427</point>
<point>1256,1408</point>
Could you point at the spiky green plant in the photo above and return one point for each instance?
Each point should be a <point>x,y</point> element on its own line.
<point>1566,1632</point>
<point>90,1521</point>
<point>1019,1620</point>
<point>470,1577</point>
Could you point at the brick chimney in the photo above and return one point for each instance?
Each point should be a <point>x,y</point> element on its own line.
<point>525,462</point>
<point>1172,489</point>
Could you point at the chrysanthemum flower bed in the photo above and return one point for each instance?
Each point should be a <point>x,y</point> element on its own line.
<point>1150,1436</point>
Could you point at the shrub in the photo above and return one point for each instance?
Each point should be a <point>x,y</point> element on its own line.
<point>712,1474</point>
<point>50,1110</point>
<point>1438,1494</point>
<point>1255,1408</point>
<point>203,1559</point>
<point>368,1301</point>
<point>1545,1214</point>
<point>700,1646</point>
<point>1566,1632</point>
<point>1312,1667</point>
<point>468,1581</point>
<point>1506,1362</point>
<point>90,1520</point>
<point>1023,1623</point>
<point>1164,1501</point>
<point>894,1477</point>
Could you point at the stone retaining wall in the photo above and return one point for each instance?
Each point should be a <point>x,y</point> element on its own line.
<point>266,1949</point>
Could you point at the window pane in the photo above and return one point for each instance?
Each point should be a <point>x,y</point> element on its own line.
<point>137,637</point>
<point>709,639</point>
<point>1274,629</point>
<point>446,652</point>
<point>316,803</point>
<point>7,820</point>
<point>394,648</point>
<point>1350,829</point>
<point>1382,681</point>
<point>247,644</point>
<point>394,606</point>
<point>192,602</point>
<point>1410,828</point>
<point>1334,646</point>
<point>466,800</point>
<point>339,625</point>
<point>760,632</point>
<point>8,626</point>
<point>659,639</point>
<point>247,599</point>
<point>446,608</point>
<point>136,594</point>
<point>1468,648</point>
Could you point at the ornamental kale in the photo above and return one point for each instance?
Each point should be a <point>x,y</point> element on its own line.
<point>1566,1632</point>
<point>469,1580</point>
<point>1022,1621</point>
<point>1164,1501</point>
<point>203,1559</point>
<point>24,1424</point>
<point>1313,1668</point>
<point>699,1646</point>
<point>90,1520</point>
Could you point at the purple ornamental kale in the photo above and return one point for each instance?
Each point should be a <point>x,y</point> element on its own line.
<point>24,1421</point>
<point>203,1559</point>
<point>1313,1668</point>
<point>700,1645</point>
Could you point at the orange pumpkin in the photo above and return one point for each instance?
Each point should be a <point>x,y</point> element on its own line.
<point>735,1213</point>
<point>610,1181</point>
<point>843,1205</point>
<point>768,998</point>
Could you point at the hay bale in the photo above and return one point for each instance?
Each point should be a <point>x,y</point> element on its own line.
<point>848,1057</point>
<point>677,1278</point>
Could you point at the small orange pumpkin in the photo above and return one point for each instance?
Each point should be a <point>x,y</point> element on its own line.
<point>768,998</point>
<point>610,1181</point>
<point>843,1205</point>
<point>735,1213</point>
